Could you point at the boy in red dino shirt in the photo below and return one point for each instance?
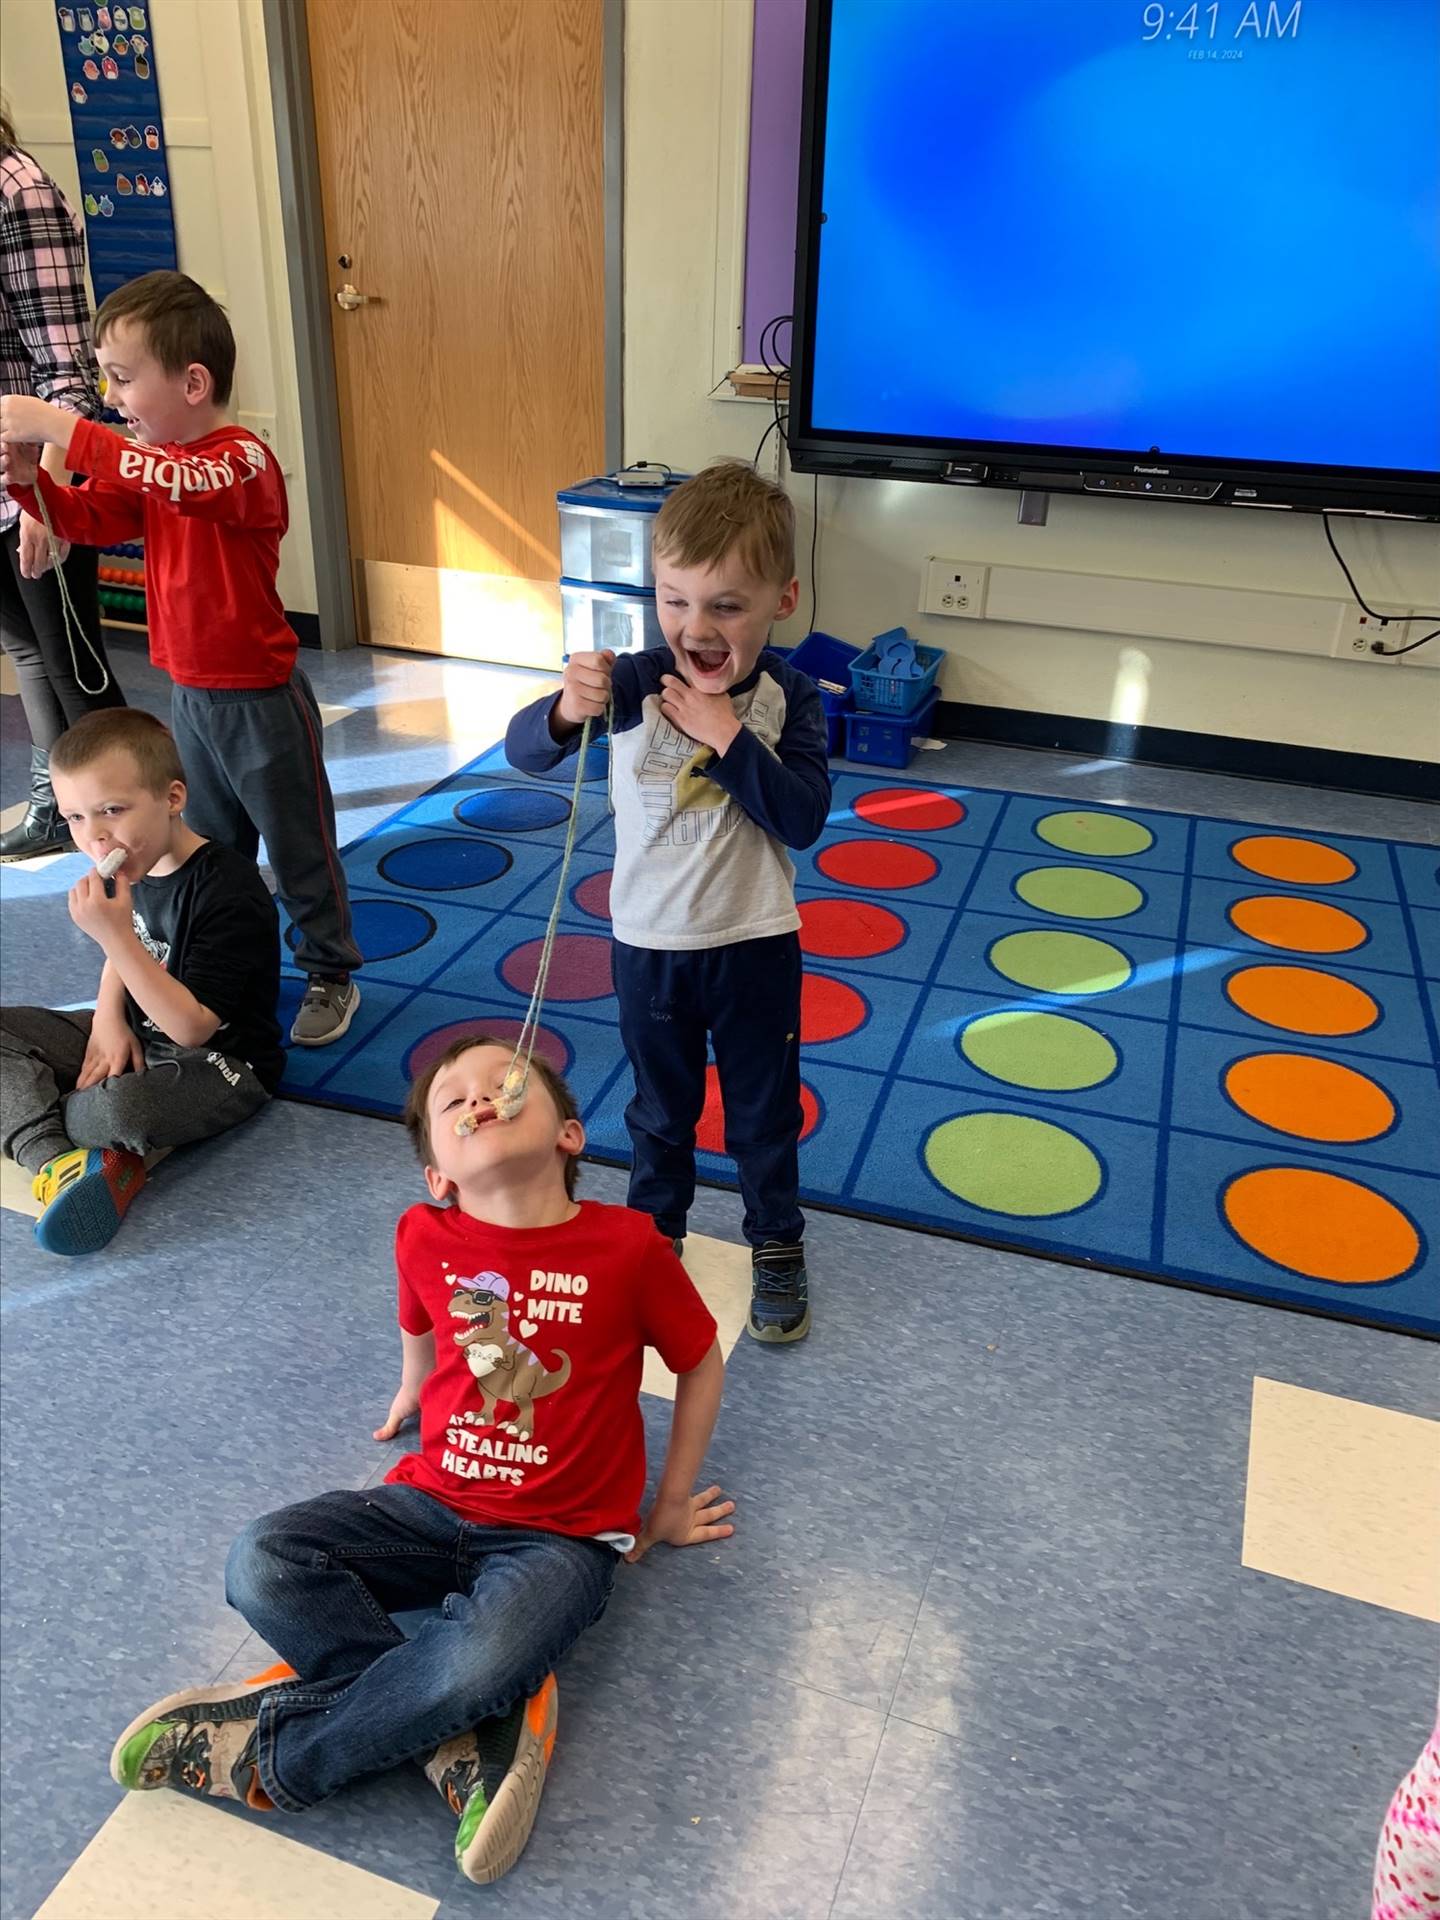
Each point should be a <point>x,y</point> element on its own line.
<point>208,499</point>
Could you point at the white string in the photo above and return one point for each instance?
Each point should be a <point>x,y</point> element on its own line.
<point>68,613</point>
<point>517,1077</point>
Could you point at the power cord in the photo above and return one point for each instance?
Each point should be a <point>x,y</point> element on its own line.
<point>1386,653</point>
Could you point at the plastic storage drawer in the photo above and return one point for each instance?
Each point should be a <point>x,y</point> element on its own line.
<point>621,618</point>
<point>886,740</point>
<point>605,532</point>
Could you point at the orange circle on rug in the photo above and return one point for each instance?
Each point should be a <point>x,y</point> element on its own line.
<point>1312,1099</point>
<point>1322,1225</point>
<point>885,864</point>
<point>829,1009</point>
<point>1302,1000</point>
<point>909,809</point>
<point>1302,863</point>
<point>849,929</point>
<point>1304,926</point>
<point>710,1133</point>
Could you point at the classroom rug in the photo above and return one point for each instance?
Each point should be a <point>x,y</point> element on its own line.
<point>1182,1048</point>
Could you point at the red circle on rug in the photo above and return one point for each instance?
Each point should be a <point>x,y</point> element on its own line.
<point>710,1134</point>
<point>549,1045</point>
<point>909,809</point>
<point>592,896</point>
<point>829,1009</point>
<point>884,864</point>
<point>579,967</point>
<point>849,929</point>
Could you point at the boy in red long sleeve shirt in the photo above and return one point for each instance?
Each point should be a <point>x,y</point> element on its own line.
<point>209,501</point>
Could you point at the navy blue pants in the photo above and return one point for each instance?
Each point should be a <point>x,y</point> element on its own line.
<point>746,997</point>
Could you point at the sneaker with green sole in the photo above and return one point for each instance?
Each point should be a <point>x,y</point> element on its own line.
<point>492,1779</point>
<point>203,1742</point>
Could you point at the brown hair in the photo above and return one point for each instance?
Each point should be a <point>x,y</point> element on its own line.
<point>7,128</point>
<point>183,326</point>
<point>126,730</point>
<point>417,1120</point>
<point>728,508</point>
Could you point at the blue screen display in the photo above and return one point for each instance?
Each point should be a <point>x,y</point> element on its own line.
<point>1207,230</point>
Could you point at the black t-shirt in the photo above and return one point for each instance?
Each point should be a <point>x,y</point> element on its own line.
<point>213,926</point>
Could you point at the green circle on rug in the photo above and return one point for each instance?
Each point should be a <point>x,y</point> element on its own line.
<point>1048,1051</point>
<point>1010,1163</point>
<point>1056,962</point>
<point>1109,836</point>
<point>1079,893</point>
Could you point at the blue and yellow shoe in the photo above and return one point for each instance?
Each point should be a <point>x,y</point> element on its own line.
<point>86,1193</point>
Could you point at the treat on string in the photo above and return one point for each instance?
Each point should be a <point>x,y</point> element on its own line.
<point>512,1090</point>
<point>112,863</point>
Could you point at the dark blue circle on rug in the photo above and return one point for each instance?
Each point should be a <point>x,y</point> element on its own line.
<point>383,929</point>
<point>444,863</point>
<point>512,809</point>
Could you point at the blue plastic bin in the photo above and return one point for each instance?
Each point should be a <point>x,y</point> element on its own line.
<point>825,658</point>
<point>887,740</point>
<point>878,693</point>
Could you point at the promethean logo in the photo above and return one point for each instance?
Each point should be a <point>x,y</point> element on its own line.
<point>1152,469</point>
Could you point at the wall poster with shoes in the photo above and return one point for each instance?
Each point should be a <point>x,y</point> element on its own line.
<point>115,112</point>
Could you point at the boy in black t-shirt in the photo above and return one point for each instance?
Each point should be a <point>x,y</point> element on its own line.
<point>183,1042</point>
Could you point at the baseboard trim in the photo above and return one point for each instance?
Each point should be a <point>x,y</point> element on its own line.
<point>1204,752</point>
<point>306,626</point>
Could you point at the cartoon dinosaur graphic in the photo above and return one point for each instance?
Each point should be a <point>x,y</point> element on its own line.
<point>503,1368</point>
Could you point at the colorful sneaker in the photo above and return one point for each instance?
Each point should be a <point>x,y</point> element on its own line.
<point>779,1302</point>
<point>203,1741</point>
<point>492,1779</point>
<point>325,1013</point>
<point>85,1193</point>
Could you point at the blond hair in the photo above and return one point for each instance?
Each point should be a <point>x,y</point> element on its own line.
<point>729,509</point>
<point>131,730</point>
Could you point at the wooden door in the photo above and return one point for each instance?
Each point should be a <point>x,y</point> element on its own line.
<point>461,150</point>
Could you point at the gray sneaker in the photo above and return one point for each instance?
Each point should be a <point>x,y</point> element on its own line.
<point>325,1012</point>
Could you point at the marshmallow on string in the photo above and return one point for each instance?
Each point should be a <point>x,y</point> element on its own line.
<point>517,1075</point>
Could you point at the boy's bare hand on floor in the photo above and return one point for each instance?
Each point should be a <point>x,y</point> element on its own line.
<point>405,1404</point>
<point>688,1521</point>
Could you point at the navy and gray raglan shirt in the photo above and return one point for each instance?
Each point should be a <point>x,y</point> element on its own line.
<point>701,838</point>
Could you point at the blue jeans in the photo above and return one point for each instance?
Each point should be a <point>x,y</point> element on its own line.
<point>320,1580</point>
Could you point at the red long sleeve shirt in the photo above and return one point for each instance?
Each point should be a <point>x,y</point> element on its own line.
<point>212,513</point>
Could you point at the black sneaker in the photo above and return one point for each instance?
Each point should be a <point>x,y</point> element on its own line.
<point>678,1246</point>
<point>325,1013</point>
<point>492,1779</point>
<point>779,1301</point>
<point>202,1741</point>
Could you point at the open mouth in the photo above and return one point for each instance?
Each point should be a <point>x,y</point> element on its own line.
<point>708,661</point>
<point>474,1118</point>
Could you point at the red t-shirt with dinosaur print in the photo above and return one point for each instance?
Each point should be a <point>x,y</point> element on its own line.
<point>531,1417</point>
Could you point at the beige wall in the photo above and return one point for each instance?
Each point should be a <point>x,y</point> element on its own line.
<point>686,106</point>
<point>214,90</point>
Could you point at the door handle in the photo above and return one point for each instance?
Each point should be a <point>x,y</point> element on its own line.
<point>350,297</point>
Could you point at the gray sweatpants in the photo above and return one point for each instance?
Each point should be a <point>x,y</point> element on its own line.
<point>184,1094</point>
<point>254,766</point>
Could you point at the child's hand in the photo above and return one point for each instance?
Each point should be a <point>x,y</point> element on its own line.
<point>94,912</point>
<point>706,717</point>
<point>35,553</point>
<point>112,1048</point>
<point>402,1408</point>
<point>688,1521</point>
<point>19,464</point>
<point>585,689</point>
<point>22,417</point>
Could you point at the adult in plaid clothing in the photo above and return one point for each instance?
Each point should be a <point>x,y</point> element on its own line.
<point>45,350</point>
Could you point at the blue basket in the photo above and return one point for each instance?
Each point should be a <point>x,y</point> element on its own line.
<point>823,657</point>
<point>886,740</point>
<point>880,693</point>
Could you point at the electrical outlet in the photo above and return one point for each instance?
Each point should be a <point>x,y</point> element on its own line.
<point>954,587</point>
<point>1359,633</point>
